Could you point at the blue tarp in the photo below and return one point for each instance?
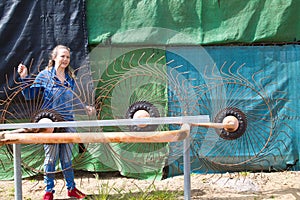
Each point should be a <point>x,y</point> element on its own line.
<point>265,80</point>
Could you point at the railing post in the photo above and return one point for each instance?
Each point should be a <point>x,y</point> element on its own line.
<point>187,168</point>
<point>17,171</point>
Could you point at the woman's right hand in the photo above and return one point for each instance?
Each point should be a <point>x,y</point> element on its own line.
<point>22,70</point>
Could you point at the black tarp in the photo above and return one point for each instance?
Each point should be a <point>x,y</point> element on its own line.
<point>29,30</point>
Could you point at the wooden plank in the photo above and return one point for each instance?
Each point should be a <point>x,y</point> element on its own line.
<point>97,137</point>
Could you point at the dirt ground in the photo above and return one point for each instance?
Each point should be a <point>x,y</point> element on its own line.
<point>239,186</point>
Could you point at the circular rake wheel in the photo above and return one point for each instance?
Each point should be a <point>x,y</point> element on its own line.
<point>16,109</point>
<point>135,81</point>
<point>127,87</point>
<point>251,106</point>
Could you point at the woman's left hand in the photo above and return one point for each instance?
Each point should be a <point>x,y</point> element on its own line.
<point>91,110</point>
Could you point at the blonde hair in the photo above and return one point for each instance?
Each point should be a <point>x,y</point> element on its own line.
<point>53,55</point>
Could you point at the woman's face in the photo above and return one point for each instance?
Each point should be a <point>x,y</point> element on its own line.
<point>62,58</point>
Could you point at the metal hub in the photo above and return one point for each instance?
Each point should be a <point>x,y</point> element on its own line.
<point>142,109</point>
<point>52,115</point>
<point>234,116</point>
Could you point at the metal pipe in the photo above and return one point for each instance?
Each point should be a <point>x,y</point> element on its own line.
<point>187,167</point>
<point>17,171</point>
<point>111,122</point>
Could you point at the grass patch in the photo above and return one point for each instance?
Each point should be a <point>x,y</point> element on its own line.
<point>112,192</point>
<point>154,195</point>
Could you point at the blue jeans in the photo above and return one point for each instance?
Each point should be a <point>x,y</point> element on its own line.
<point>64,152</point>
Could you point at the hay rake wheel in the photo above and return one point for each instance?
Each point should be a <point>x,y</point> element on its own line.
<point>134,82</point>
<point>17,109</point>
<point>254,106</point>
<point>244,141</point>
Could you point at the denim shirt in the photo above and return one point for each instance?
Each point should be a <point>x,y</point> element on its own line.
<point>54,94</point>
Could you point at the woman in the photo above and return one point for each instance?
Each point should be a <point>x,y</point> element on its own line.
<point>56,83</point>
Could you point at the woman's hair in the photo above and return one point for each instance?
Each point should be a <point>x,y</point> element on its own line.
<point>53,55</point>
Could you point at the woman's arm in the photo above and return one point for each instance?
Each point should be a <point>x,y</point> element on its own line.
<point>29,91</point>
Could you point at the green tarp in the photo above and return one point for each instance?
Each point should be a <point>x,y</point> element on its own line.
<point>206,22</point>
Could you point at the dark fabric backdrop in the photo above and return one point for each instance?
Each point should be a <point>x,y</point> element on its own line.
<point>30,29</point>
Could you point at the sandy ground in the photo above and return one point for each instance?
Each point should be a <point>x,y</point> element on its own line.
<point>275,185</point>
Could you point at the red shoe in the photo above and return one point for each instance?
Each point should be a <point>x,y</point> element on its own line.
<point>48,196</point>
<point>76,193</point>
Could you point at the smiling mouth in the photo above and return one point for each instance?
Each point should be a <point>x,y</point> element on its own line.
<point>65,64</point>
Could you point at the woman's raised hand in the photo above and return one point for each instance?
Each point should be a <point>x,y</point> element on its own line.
<point>22,70</point>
